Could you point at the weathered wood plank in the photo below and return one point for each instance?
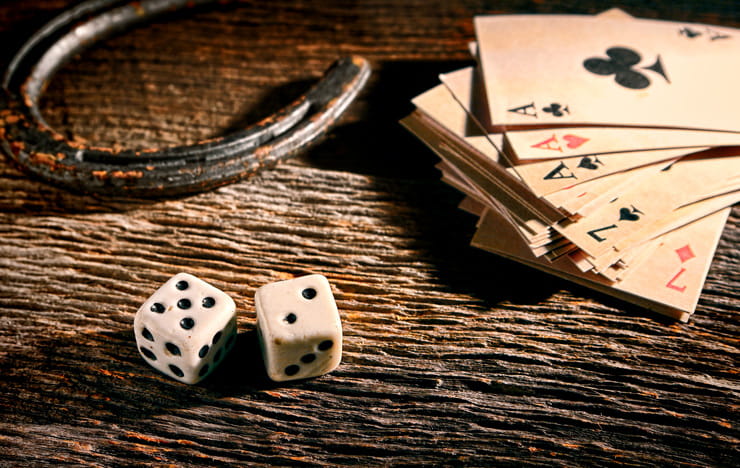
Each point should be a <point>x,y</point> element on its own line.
<point>452,355</point>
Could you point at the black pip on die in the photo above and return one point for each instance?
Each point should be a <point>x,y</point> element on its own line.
<point>185,328</point>
<point>299,328</point>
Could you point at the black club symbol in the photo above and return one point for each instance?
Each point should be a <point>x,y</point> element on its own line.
<point>620,63</point>
<point>556,109</point>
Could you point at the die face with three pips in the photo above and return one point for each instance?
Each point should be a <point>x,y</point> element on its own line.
<point>186,328</point>
<point>299,328</point>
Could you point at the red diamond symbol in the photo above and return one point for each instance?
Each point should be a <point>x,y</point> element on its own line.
<point>685,253</point>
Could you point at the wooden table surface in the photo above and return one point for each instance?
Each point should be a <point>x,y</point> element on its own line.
<point>453,356</point>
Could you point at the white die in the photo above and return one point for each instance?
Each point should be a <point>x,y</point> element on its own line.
<point>299,328</point>
<point>185,328</point>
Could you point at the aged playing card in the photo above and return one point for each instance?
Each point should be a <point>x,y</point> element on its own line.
<point>542,177</point>
<point>439,105</point>
<point>479,165</point>
<point>566,142</point>
<point>683,182</point>
<point>668,281</point>
<point>583,199</point>
<point>480,185</point>
<point>675,220</point>
<point>538,237</point>
<point>550,176</point>
<point>568,70</point>
<point>617,128</point>
<point>675,272</point>
<point>613,13</point>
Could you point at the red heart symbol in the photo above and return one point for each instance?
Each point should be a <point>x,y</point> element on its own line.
<point>574,141</point>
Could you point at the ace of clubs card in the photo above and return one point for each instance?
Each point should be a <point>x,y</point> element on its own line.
<point>570,69</point>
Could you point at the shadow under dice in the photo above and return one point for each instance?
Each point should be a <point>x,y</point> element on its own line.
<point>299,328</point>
<point>186,328</point>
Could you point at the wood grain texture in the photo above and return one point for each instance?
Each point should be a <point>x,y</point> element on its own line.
<point>452,356</point>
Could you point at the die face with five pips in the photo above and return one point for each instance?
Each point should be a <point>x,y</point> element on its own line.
<point>186,328</point>
<point>299,328</point>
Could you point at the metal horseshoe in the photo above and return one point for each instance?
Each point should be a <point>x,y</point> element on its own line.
<point>46,153</point>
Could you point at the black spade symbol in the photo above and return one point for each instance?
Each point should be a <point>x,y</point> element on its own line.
<point>625,214</point>
<point>586,163</point>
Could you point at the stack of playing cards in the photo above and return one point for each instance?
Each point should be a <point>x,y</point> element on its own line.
<point>596,148</point>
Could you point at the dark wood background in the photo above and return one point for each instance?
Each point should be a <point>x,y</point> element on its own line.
<point>452,356</point>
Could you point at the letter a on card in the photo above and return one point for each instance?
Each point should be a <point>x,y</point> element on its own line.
<point>528,109</point>
<point>549,144</point>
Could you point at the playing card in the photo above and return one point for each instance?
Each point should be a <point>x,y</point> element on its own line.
<point>542,177</point>
<point>675,272</point>
<point>568,142</point>
<point>617,132</point>
<point>630,261</point>
<point>438,104</point>
<point>582,199</point>
<point>669,281</point>
<point>677,218</point>
<point>481,169</point>
<point>472,206</point>
<point>614,13</point>
<point>654,198</point>
<point>569,70</point>
<point>522,146</point>
<point>537,233</point>
<point>546,177</point>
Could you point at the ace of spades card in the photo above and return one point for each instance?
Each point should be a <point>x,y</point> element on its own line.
<point>576,70</point>
<point>655,197</point>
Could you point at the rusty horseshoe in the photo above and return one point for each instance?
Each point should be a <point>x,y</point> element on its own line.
<point>46,153</point>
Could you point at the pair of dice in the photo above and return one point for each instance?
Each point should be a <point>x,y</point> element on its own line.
<point>186,328</point>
